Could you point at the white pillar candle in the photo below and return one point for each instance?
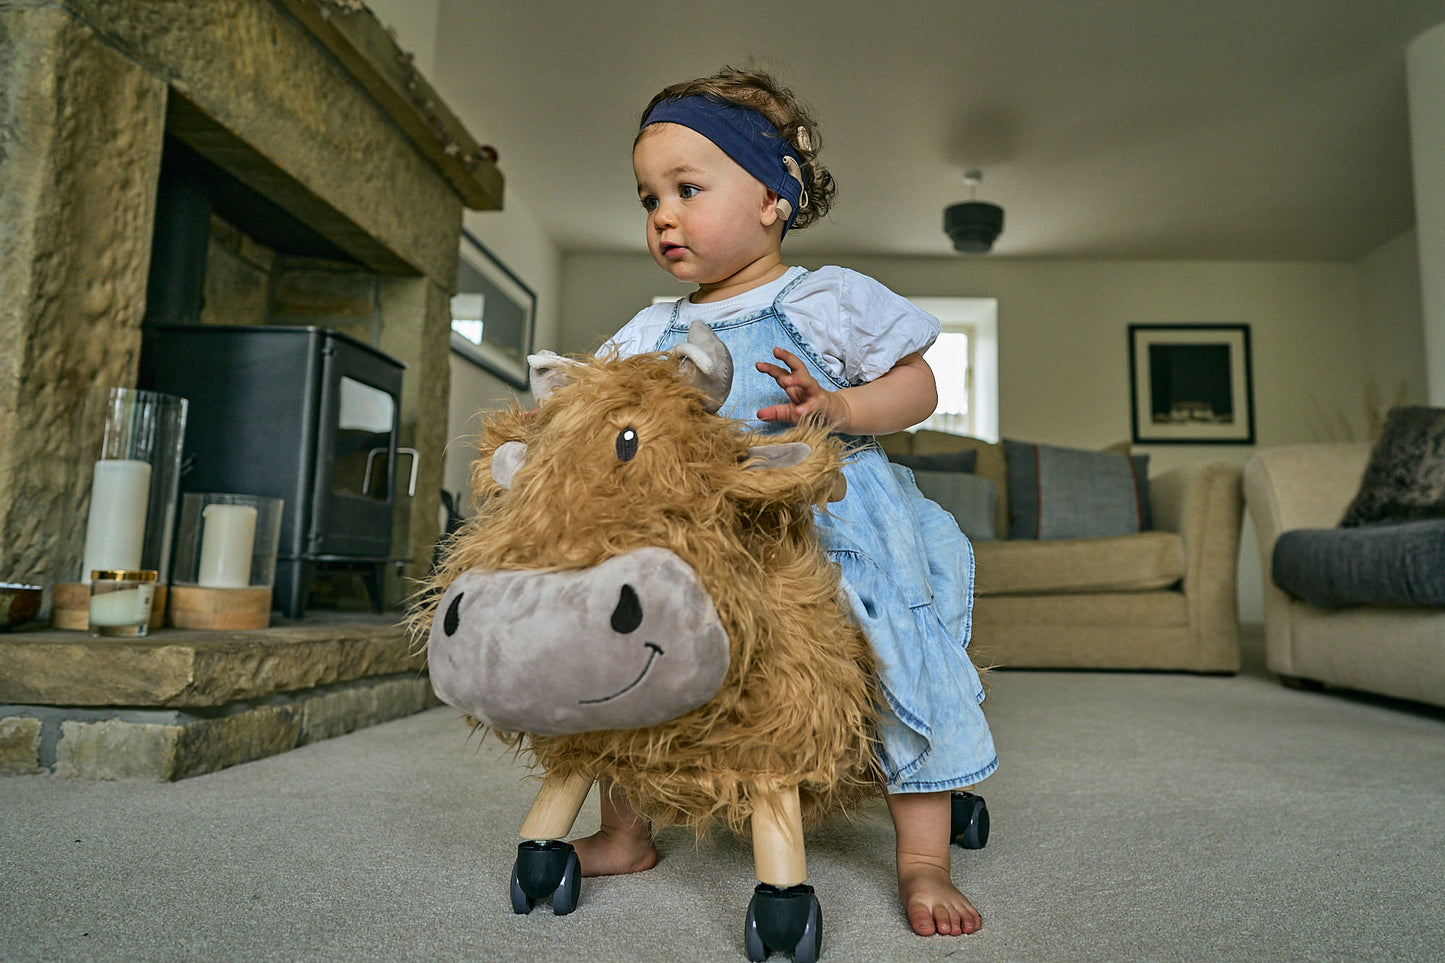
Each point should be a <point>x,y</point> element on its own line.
<point>227,537</point>
<point>116,528</point>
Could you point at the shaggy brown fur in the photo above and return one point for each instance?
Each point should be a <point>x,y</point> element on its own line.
<point>798,704</point>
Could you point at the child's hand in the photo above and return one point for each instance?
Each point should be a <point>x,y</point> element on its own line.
<point>805,395</point>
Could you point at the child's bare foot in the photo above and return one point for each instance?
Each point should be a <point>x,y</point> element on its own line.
<point>623,844</point>
<point>933,904</point>
<point>611,853</point>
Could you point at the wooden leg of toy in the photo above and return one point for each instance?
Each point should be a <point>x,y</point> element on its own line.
<point>783,914</point>
<point>556,807</point>
<point>778,856</point>
<point>546,866</point>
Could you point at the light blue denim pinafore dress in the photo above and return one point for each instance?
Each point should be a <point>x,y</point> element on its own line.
<point>907,570</point>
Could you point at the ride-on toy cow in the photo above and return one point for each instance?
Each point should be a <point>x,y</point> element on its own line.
<point>642,597</point>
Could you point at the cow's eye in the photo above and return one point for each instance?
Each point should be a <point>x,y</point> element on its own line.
<point>626,444</point>
<point>453,619</point>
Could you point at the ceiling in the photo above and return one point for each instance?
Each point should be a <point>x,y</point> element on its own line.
<point>1171,129</point>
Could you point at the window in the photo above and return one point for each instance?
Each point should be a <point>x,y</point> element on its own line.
<point>964,360</point>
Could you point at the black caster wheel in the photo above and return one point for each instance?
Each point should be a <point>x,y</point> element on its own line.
<point>544,869</point>
<point>787,920</point>
<point>970,820</point>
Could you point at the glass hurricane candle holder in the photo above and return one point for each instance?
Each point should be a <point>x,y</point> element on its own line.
<point>126,484</point>
<point>225,561</point>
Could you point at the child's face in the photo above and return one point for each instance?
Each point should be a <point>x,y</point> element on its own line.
<point>707,218</point>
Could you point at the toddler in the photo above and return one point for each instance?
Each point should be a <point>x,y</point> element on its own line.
<point>726,166</point>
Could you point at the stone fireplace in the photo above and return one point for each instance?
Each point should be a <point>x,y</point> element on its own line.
<point>309,108</point>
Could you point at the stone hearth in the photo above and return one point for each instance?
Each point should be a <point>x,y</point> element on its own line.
<point>179,703</point>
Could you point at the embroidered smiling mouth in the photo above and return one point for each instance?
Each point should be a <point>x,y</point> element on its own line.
<point>654,651</point>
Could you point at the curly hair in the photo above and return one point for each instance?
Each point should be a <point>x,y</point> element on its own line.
<point>758,90</point>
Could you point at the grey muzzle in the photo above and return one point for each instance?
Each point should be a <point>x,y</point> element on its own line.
<point>629,643</point>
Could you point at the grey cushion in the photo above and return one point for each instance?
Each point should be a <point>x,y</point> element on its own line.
<point>1058,492</point>
<point>1406,474</point>
<point>968,498</point>
<point>1399,563</point>
<point>965,460</point>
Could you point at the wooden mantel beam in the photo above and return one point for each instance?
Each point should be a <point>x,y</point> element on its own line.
<point>354,36</point>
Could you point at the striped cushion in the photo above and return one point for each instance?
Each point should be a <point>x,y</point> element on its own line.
<point>1057,492</point>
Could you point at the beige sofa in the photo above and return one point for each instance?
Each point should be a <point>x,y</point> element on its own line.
<point>1162,599</point>
<point>1391,651</point>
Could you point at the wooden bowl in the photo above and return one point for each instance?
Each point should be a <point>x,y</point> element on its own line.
<point>18,604</point>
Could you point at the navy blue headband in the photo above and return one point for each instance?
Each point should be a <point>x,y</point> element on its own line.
<point>747,137</point>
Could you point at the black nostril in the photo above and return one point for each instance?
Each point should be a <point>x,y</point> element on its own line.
<point>628,614</point>
<point>453,617</point>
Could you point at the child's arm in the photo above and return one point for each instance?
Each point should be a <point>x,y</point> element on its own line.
<point>899,398</point>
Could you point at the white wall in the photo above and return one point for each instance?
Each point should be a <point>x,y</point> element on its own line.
<point>1425,75</point>
<point>1393,318</point>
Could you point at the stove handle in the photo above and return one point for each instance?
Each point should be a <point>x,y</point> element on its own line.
<point>415,460</point>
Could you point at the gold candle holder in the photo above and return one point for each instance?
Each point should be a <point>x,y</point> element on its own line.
<point>120,602</point>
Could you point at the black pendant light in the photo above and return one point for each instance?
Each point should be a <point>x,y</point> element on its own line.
<point>973,225</point>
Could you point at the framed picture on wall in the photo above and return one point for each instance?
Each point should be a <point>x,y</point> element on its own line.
<point>1191,384</point>
<point>492,314</point>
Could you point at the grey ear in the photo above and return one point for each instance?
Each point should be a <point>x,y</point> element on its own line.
<point>549,371</point>
<point>506,460</point>
<point>707,363</point>
<point>778,456</point>
<point>763,457</point>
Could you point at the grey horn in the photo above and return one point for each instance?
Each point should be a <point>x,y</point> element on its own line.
<point>549,371</point>
<point>707,363</point>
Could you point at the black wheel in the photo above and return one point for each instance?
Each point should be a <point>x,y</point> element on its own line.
<point>970,820</point>
<point>545,869</point>
<point>810,944</point>
<point>753,944</point>
<point>521,902</point>
<point>564,898</point>
<point>786,920</point>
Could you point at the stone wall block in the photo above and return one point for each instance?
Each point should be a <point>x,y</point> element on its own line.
<point>114,749</point>
<point>19,746</point>
<point>238,277</point>
<point>306,291</point>
<point>212,744</point>
<point>80,137</point>
<point>336,713</point>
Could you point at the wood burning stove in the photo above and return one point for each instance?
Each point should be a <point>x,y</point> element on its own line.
<point>299,413</point>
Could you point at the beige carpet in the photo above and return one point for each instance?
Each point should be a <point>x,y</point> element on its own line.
<point>1135,817</point>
